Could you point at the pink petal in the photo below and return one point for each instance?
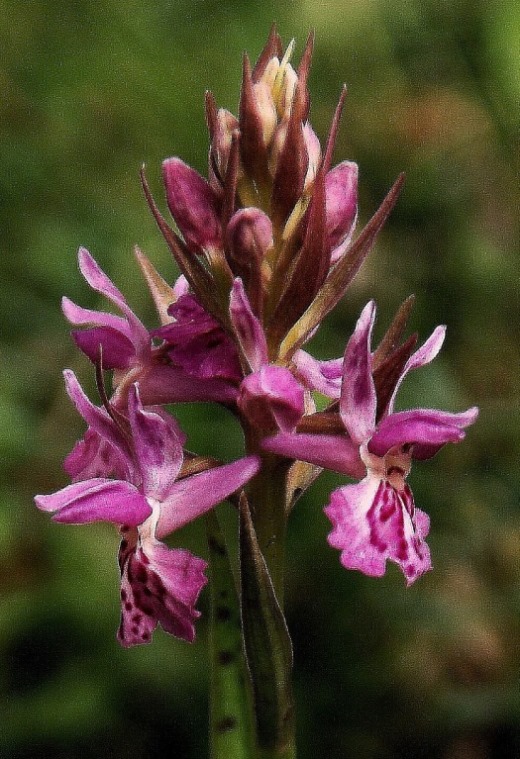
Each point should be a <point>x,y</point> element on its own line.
<point>158,585</point>
<point>248,328</point>
<point>272,398</point>
<point>336,452</point>
<point>373,523</point>
<point>323,376</point>
<point>358,400</point>
<point>171,384</point>
<point>341,204</point>
<point>157,445</point>
<point>92,456</point>
<point>193,205</point>
<point>97,500</point>
<point>193,496</point>
<point>96,418</point>
<point>99,281</point>
<point>78,315</point>
<point>426,430</point>
<point>424,355</point>
<point>116,350</point>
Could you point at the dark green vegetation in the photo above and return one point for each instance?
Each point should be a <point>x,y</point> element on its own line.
<point>90,91</point>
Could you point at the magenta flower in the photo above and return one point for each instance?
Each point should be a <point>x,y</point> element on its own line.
<point>376,519</point>
<point>158,584</point>
<point>125,345</point>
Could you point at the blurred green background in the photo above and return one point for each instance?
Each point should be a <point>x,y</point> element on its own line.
<point>89,92</point>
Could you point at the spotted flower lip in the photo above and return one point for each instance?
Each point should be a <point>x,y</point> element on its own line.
<point>158,584</point>
<point>376,520</point>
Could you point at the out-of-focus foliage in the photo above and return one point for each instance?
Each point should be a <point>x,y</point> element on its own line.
<point>90,91</point>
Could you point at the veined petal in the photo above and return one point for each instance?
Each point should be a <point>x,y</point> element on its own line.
<point>426,430</point>
<point>157,444</point>
<point>372,523</point>
<point>193,496</point>
<point>158,585</point>
<point>358,402</point>
<point>424,355</point>
<point>336,452</point>
<point>97,500</point>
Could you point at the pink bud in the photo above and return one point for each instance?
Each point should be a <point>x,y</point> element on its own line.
<point>341,205</point>
<point>194,206</point>
<point>272,399</point>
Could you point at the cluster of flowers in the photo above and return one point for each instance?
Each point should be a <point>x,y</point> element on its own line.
<point>266,250</point>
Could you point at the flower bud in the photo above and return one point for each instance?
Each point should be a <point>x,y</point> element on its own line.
<point>193,204</point>
<point>272,399</point>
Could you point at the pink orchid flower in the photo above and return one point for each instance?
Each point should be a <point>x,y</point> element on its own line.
<point>376,519</point>
<point>158,584</point>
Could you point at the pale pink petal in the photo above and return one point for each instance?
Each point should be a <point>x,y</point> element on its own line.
<point>272,399</point>
<point>157,446</point>
<point>348,511</point>
<point>358,400</point>
<point>323,376</point>
<point>158,585</point>
<point>374,523</point>
<point>193,496</point>
<point>425,429</point>
<point>97,500</point>
<point>247,327</point>
<point>336,452</point>
<point>424,355</point>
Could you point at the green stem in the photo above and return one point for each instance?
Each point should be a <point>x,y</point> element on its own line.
<point>231,718</point>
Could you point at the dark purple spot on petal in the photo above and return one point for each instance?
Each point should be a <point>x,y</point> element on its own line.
<point>124,594</point>
<point>128,606</point>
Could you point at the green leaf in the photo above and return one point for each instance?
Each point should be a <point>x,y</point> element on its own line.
<point>268,646</point>
<point>231,719</point>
